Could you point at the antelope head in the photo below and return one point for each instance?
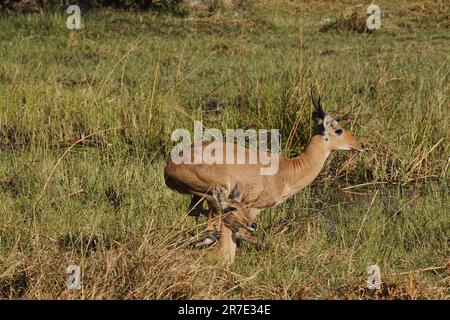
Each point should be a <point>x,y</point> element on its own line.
<point>334,136</point>
<point>235,213</point>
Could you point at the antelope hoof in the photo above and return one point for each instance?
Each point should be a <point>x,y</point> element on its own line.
<point>207,241</point>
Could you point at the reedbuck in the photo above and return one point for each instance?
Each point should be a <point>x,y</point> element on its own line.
<point>258,191</point>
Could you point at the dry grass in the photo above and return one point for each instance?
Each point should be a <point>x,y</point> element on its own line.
<point>86,119</point>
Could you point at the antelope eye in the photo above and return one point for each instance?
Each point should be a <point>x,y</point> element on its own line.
<point>338,132</point>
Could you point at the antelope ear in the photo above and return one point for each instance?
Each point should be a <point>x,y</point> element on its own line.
<point>219,197</point>
<point>236,194</point>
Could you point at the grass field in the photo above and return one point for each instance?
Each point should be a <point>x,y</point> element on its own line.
<point>85,124</point>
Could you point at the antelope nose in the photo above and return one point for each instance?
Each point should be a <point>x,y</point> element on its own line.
<point>254,226</point>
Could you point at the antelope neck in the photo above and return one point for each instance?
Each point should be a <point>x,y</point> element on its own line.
<point>303,169</point>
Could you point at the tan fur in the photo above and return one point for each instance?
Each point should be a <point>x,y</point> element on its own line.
<point>258,190</point>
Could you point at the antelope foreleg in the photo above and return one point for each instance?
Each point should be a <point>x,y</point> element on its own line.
<point>261,245</point>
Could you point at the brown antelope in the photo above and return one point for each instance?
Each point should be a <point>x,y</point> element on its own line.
<point>258,191</point>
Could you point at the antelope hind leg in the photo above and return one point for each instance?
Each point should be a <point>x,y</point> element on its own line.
<point>196,207</point>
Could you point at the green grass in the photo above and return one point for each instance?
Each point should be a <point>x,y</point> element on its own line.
<point>103,204</point>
